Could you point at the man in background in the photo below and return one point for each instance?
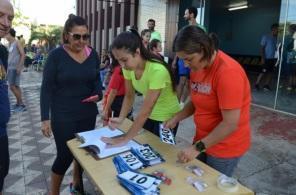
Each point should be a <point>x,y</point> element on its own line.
<point>183,71</point>
<point>16,58</point>
<point>154,33</point>
<point>6,17</point>
<point>190,16</point>
<point>268,58</point>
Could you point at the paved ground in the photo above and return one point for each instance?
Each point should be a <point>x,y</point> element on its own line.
<point>268,168</point>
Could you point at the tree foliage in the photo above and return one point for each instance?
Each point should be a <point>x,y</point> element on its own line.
<point>47,35</point>
<point>19,19</point>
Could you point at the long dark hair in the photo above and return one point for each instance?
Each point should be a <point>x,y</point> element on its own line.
<point>131,41</point>
<point>114,63</point>
<point>192,39</point>
<point>70,23</point>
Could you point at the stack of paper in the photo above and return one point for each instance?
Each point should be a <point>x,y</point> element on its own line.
<point>92,140</point>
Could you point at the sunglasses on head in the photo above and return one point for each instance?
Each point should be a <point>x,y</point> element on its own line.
<point>78,36</point>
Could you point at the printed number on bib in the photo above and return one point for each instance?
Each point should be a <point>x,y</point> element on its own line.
<point>147,153</point>
<point>139,179</point>
<point>166,135</point>
<point>131,160</point>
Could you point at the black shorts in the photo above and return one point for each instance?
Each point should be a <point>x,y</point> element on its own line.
<point>153,127</point>
<point>4,159</point>
<point>116,107</point>
<point>269,65</point>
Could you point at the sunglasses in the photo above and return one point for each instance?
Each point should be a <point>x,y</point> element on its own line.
<point>77,37</point>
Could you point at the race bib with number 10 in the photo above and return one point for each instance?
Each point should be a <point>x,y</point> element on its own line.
<point>142,180</point>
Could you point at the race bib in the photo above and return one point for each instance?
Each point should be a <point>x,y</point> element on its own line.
<point>144,181</point>
<point>131,160</point>
<point>146,153</point>
<point>166,135</point>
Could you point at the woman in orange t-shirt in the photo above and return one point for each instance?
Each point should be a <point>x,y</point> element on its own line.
<point>220,102</point>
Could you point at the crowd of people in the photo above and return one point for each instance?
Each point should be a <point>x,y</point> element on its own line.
<point>134,63</point>
<point>202,81</point>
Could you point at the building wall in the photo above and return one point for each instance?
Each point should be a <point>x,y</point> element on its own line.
<point>106,19</point>
<point>155,9</point>
<point>171,26</point>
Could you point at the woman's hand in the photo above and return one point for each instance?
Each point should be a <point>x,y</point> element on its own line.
<point>118,141</point>
<point>188,154</point>
<point>170,124</point>
<point>115,122</point>
<point>94,99</point>
<point>105,117</point>
<point>46,128</point>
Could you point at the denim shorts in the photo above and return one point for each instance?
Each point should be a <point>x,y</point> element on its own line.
<point>223,165</point>
<point>13,78</point>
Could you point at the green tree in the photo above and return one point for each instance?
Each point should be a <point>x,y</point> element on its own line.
<point>19,18</point>
<point>46,35</point>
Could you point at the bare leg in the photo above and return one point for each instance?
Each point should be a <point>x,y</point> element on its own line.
<point>13,90</point>
<point>56,181</point>
<point>259,78</point>
<point>17,93</point>
<point>76,173</point>
<point>19,96</point>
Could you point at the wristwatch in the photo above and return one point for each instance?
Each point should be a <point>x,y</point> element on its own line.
<point>200,146</point>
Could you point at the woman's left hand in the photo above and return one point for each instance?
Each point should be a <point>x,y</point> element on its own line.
<point>188,154</point>
<point>118,141</point>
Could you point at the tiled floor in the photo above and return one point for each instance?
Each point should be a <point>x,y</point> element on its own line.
<point>31,154</point>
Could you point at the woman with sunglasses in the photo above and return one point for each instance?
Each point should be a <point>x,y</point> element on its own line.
<point>151,76</point>
<point>70,88</point>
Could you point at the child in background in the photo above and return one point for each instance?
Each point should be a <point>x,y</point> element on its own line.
<point>155,48</point>
<point>104,67</point>
<point>115,93</point>
<point>146,35</point>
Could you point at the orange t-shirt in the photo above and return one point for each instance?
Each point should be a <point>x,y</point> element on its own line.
<point>224,85</point>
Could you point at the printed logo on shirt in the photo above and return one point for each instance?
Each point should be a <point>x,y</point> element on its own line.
<point>199,87</point>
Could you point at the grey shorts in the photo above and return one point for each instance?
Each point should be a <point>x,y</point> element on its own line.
<point>13,78</point>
